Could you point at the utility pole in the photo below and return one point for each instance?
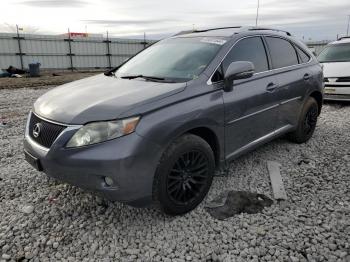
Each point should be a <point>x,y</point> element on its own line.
<point>257,13</point>
<point>347,29</point>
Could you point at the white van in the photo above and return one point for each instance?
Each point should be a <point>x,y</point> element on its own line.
<point>335,58</point>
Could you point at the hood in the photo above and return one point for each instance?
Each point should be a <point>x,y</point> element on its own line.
<point>336,69</point>
<point>100,98</point>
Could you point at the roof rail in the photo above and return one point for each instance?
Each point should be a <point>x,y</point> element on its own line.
<point>232,27</point>
<point>184,32</point>
<point>206,30</point>
<point>216,28</point>
<point>271,29</point>
<point>343,37</point>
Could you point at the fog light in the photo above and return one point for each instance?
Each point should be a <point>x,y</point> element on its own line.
<point>109,181</point>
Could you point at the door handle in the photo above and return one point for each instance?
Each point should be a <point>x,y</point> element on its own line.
<point>306,77</point>
<point>271,87</point>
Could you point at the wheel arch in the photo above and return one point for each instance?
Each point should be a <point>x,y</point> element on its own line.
<point>317,95</point>
<point>211,138</point>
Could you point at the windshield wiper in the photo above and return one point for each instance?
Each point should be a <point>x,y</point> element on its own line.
<point>150,78</point>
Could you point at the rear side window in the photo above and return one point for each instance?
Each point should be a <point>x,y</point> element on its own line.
<point>282,52</point>
<point>303,56</point>
<point>249,49</point>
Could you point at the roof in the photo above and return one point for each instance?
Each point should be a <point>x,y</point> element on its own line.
<point>227,31</point>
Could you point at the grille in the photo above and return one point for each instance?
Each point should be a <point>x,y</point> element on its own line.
<point>339,79</point>
<point>343,79</point>
<point>48,131</point>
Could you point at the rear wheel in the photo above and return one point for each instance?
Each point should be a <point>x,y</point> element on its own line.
<point>307,122</point>
<point>184,175</point>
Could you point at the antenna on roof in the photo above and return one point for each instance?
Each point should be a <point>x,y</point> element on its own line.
<point>257,13</point>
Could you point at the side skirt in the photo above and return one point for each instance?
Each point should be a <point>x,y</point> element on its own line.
<point>258,142</point>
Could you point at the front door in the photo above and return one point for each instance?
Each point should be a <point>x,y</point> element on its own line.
<point>251,107</point>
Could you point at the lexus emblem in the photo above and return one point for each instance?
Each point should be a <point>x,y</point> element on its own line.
<point>36,130</point>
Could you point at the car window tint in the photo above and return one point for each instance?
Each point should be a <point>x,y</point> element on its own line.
<point>304,58</point>
<point>249,49</point>
<point>282,52</point>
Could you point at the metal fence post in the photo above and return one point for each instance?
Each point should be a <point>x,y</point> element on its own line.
<point>70,51</point>
<point>108,52</point>
<point>144,41</point>
<point>19,47</point>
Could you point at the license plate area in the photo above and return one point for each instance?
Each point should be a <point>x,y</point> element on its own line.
<point>33,161</point>
<point>329,90</point>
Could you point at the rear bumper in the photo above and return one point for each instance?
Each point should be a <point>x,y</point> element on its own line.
<point>338,92</point>
<point>130,161</point>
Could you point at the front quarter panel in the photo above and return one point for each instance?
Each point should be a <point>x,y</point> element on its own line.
<point>200,106</point>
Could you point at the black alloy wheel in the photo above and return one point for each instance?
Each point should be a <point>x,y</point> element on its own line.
<point>306,123</point>
<point>310,120</point>
<point>184,175</point>
<point>187,178</point>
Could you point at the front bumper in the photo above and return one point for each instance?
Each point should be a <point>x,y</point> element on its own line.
<point>337,91</point>
<point>130,161</point>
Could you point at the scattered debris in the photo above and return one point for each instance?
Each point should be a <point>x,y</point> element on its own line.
<point>304,159</point>
<point>52,200</point>
<point>4,73</point>
<point>12,71</point>
<point>28,209</point>
<point>16,75</point>
<point>3,123</point>
<point>276,180</point>
<point>231,203</point>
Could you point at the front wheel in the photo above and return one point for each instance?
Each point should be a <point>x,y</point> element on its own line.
<point>184,175</point>
<point>306,123</point>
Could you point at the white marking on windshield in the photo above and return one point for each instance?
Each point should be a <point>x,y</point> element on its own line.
<point>215,41</point>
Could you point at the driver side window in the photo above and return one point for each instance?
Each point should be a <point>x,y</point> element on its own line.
<point>250,49</point>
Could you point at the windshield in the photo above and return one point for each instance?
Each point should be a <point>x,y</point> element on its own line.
<point>174,59</point>
<point>335,53</point>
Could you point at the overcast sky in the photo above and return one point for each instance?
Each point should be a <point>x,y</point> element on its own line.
<point>313,19</point>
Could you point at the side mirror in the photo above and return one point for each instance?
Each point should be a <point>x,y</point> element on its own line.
<point>237,70</point>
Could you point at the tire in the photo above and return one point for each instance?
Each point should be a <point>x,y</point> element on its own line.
<point>306,123</point>
<point>184,175</point>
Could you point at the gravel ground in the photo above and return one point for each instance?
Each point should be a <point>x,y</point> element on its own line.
<point>46,79</point>
<point>43,220</point>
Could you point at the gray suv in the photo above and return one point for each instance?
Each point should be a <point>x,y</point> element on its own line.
<point>155,129</point>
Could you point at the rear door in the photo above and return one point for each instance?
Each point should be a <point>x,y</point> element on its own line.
<point>250,109</point>
<point>291,70</point>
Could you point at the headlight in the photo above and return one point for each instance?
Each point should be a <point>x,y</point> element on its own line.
<point>97,132</point>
